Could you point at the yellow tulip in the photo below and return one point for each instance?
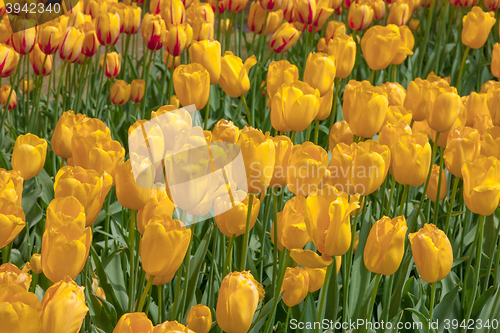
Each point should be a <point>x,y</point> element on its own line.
<point>476,27</point>
<point>202,29</point>
<point>320,72</point>
<point>408,42</point>
<point>278,73</point>
<point>295,286</point>
<point>305,11</point>
<point>415,93</point>
<point>10,274</point>
<point>29,155</point>
<point>306,168</point>
<point>112,64</point>
<point>340,132</point>
<point>233,315</point>
<point>432,253</point>
<point>411,158</point>
<point>164,235</point>
<point>323,13</point>
<point>482,185</point>
<point>463,146</point>
<point>5,92</point>
<point>230,220</point>
<point>65,251</point>
<point>158,203</point>
<point>136,322</point>
<point>284,37</point>
<point>225,131</point>
<point>20,310</point>
<point>432,188</point>
<point>360,15</point>
<point>88,186</point>
<point>63,308</point>
<point>24,37</point>
<point>37,58</point>
<point>49,39</point>
<point>199,319</point>
<point>365,108</point>
<point>396,93</point>
<point>108,28</point>
<point>208,54</point>
<point>292,230</point>
<point>71,45</point>
<point>400,12</point>
<point>317,277</point>
<point>380,44</point>
<point>11,186</point>
<point>173,12</point>
<point>36,263</point>
<point>137,90</point>
<point>177,39</point>
<point>132,20</point>
<point>234,74</point>
<point>385,246</point>
<point>257,16</point>
<point>495,61</point>
<point>120,92</point>
<point>192,85</point>
<point>343,49</point>
<point>443,104</point>
<point>390,133</point>
<point>283,148</point>
<point>171,326</point>
<point>327,220</point>
<point>63,211</point>
<point>9,60</point>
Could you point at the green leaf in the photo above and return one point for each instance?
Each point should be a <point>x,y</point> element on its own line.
<point>445,307</point>
<point>47,186</point>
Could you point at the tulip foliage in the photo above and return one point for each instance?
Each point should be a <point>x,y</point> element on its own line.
<point>249,166</point>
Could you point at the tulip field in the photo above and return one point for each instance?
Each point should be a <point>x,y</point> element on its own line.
<point>249,166</point>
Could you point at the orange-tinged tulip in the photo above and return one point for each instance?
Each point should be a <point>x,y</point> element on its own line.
<point>208,54</point>
<point>20,310</point>
<point>292,230</point>
<point>490,144</point>
<point>129,194</point>
<point>432,253</point>
<point>390,133</point>
<point>359,168</point>
<point>258,153</point>
<point>199,319</point>
<point>306,168</point>
<point>320,72</point>
<point>40,62</point>
<point>283,148</point>
<point>36,263</point>
<point>365,108</point>
<point>65,251</point>
<point>317,277</point>
<point>5,92</point>
<point>343,50</point>
<point>288,101</point>
<point>112,64</point>
<point>164,235</point>
<point>411,157</point>
<point>29,154</point>
<point>225,131</point>
<point>408,42</point>
<point>284,37</point>
<point>71,45</point>
<point>158,203</point>
<point>171,326</point>
<point>396,94</point>
<point>119,92</point>
<point>385,246</point>
<point>400,12</point>
<point>170,61</point>
<point>137,90</point>
<point>63,307</point>
<point>10,274</point>
<point>432,189</point>
<point>234,74</point>
<point>49,39</point>
<point>63,211</point>
<point>443,105</point>
<point>327,220</point>
<point>11,186</point>
<point>192,85</point>
<point>476,27</point>
<point>231,221</point>
<point>88,186</point>
<point>108,28</point>
<point>380,44</point>
<point>360,16</point>
<point>136,322</point>
<point>482,185</point>
<point>415,93</point>
<point>9,60</point>
<point>495,61</point>
<point>463,146</point>
<point>233,315</point>
<point>178,38</point>
<point>295,286</point>
<point>63,133</point>
<point>278,73</point>
<point>340,132</point>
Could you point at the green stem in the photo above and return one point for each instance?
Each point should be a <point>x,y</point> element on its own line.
<point>287,318</point>
<point>477,266</point>
<point>207,113</point>
<point>316,133</point>
<point>372,298</point>
<point>423,51</point>
<point>132,255</point>
<point>403,199</point>
<point>436,200</point>
<point>249,118</point>
<point>324,290</point>
<point>462,69</point>
<point>145,293</point>
<point>160,304</point>
<point>372,75</point>
<point>281,276</point>
<point>393,185</point>
<point>450,207</point>
<point>164,81</point>
<point>177,292</point>
<point>247,232</point>
<point>334,108</point>
<point>229,255</point>
<point>431,306</point>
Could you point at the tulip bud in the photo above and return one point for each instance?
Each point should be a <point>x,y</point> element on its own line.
<point>432,253</point>
<point>343,49</point>
<point>231,220</point>
<point>411,157</point>
<point>292,231</point>
<point>153,31</point>
<point>495,61</point>
<point>41,63</point>
<point>9,60</point>
<point>320,72</point>
<point>414,25</point>
<point>295,286</point>
<point>199,319</point>
<point>119,92</point>
<point>26,86</point>
<point>137,90</point>
<point>29,154</point>
<point>129,194</point>
<point>362,101</point>
<point>49,39</point>
<point>232,314</point>
<point>208,54</point>
<point>225,131</point>
<point>432,189</point>
<point>108,28</point>
<point>71,45</point>
<point>476,27</point>
<point>136,322</point>
<point>177,39</point>
<point>340,132</point>
<point>234,74</point>
<point>11,275</point>
<point>384,248</point>
<point>192,85</point>
<point>463,146</point>
<point>113,64</point>
<point>284,38</point>
<point>132,20</point>
<point>36,263</point>
<point>360,16</point>
<point>5,92</point>
<point>482,185</point>
<point>443,105</point>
